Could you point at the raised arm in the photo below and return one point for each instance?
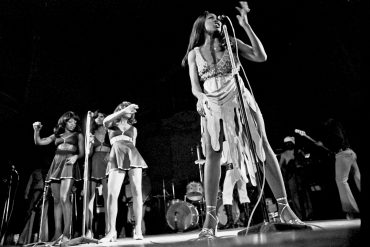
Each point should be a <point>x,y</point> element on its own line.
<point>254,52</point>
<point>121,113</point>
<point>36,135</point>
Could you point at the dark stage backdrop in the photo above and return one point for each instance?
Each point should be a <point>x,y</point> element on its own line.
<point>60,55</point>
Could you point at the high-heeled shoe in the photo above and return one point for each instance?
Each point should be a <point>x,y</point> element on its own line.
<point>65,239</point>
<point>209,233</point>
<point>57,241</point>
<point>110,237</point>
<point>286,214</point>
<point>137,236</point>
<point>89,234</point>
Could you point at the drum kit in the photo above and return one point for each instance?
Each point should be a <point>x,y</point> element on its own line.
<point>187,214</point>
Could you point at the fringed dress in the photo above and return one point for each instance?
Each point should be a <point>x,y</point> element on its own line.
<point>222,104</point>
<point>59,169</point>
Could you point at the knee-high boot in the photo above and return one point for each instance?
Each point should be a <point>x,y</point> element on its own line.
<point>229,214</point>
<point>244,213</point>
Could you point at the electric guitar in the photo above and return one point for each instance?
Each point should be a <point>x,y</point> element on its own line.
<point>317,143</point>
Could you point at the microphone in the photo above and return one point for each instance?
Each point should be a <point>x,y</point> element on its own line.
<point>14,170</point>
<point>221,18</point>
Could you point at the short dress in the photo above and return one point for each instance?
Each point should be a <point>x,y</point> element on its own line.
<point>221,104</point>
<point>59,169</point>
<point>99,160</point>
<point>123,155</point>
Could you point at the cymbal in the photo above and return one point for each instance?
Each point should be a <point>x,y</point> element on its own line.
<point>157,196</point>
<point>201,162</point>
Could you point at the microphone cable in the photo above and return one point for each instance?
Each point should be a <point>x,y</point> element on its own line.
<point>251,91</point>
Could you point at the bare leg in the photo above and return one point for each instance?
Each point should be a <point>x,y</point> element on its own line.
<point>137,199</point>
<point>90,208</point>
<point>115,181</point>
<point>55,190</point>
<point>105,196</point>
<point>274,176</point>
<point>65,192</point>
<point>212,171</point>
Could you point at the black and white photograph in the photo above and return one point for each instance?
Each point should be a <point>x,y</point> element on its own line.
<point>183,123</point>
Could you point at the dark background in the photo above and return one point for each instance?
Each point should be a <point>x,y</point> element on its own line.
<point>61,55</point>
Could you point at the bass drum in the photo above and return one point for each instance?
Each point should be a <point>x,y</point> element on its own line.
<point>182,216</point>
<point>221,214</point>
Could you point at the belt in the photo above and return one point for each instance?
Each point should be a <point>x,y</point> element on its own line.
<point>229,167</point>
<point>102,149</point>
<point>120,138</point>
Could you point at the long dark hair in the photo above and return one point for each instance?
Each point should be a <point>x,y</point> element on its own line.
<point>197,36</point>
<point>123,105</point>
<point>94,125</point>
<point>335,134</point>
<point>62,122</point>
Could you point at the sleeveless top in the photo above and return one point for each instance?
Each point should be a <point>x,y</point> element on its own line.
<point>97,143</point>
<point>222,68</point>
<point>114,131</point>
<point>71,139</point>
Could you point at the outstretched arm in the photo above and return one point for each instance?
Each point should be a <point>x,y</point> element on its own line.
<point>121,113</point>
<point>254,52</point>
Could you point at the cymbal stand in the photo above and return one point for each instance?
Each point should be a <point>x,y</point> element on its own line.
<point>200,162</point>
<point>164,197</point>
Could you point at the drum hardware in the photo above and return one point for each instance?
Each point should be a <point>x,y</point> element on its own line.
<point>200,162</point>
<point>182,216</point>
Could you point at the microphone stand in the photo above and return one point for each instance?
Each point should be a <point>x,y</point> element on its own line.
<point>5,218</point>
<point>200,163</point>
<point>39,241</point>
<point>266,225</point>
<point>83,239</point>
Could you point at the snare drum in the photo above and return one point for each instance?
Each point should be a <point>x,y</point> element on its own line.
<point>194,191</point>
<point>182,216</point>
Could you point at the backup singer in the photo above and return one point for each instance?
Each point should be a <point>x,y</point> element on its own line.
<point>220,110</point>
<point>99,152</point>
<point>64,168</point>
<point>124,159</point>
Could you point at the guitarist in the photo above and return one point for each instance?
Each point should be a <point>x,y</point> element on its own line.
<point>336,140</point>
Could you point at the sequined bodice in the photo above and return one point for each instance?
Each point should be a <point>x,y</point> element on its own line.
<point>205,71</point>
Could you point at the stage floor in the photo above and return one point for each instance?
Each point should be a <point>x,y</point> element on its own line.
<point>324,233</point>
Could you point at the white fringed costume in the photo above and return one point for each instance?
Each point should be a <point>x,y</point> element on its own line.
<point>221,104</point>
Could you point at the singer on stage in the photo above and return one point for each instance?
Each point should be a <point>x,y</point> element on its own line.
<point>124,159</point>
<point>64,168</point>
<point>220,110</point>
